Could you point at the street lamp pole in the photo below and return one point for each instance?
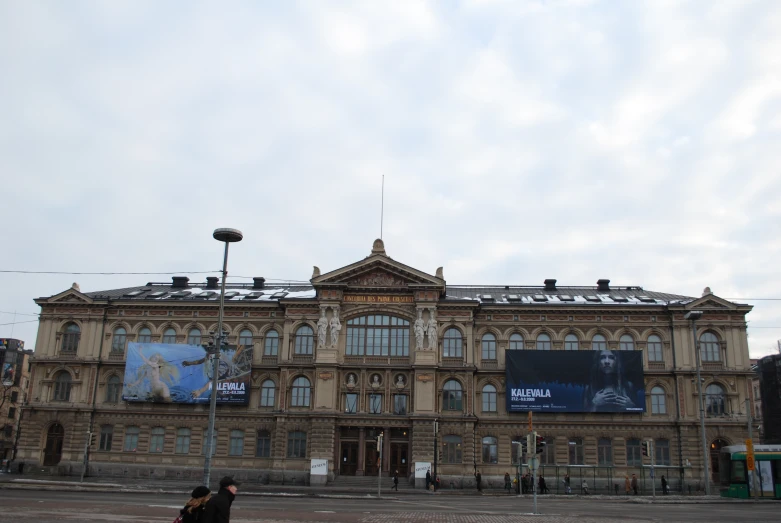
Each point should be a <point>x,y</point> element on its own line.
<point>693,316</point>
<point>226,236</point>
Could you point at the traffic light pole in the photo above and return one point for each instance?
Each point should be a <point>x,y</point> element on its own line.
<point>379,462</point>
<point>653,476</point>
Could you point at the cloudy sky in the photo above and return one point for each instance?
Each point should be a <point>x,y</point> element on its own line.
<point>519,140</point>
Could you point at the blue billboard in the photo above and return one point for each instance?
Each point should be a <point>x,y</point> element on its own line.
<point>175,373</point>
<point>575,381</point>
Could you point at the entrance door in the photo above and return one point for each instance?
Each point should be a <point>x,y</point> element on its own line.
<point>399,459</point>
<point>349,462</point>
<point>52,453</point>
<point>372,465</point>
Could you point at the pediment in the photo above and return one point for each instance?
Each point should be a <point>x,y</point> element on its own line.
<point>70,296</point>
<point>711,302</point>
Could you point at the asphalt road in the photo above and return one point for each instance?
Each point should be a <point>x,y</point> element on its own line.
<point>46,506</point>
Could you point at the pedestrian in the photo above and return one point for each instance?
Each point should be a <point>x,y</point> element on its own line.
<point>479,478</point>
<point>567,488</point>
<point>508,483</point>
<point>627,484</point>
<point>634,483</point>
<point>436,484</point>
<point>396,481</point>
<point>218,508</point>
<point>542,485</point>
<point>585,487</point>
<point>194,510</point>
<point>664,485</point>
<point>428,479</point>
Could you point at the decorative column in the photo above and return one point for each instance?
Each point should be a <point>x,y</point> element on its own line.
<point>361,451</point>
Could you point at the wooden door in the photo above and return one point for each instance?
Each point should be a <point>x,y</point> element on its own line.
<point>372,464</point>
<point>399,459</point>
<point>52,453</point>
<point>349,461</point>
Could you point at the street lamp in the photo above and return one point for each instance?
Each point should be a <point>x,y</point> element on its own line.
<point>693,316</point>
<point>226,236</point>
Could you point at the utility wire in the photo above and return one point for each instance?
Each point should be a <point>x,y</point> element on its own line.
<point>107,273</point>
<point>18,322</point>
<point>18,313</point>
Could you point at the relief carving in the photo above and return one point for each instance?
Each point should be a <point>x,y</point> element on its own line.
<point>378,279</point>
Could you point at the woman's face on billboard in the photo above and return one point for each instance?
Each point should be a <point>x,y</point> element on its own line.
<point>607,362</point>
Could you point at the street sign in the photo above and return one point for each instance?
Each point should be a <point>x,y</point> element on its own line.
<point>749,454</point>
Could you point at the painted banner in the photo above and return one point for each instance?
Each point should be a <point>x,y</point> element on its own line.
<point>574,381</point>
<point>175,373</point>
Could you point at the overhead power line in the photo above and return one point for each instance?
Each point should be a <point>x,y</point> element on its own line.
<point>107,273</point>
<point>18,322</point>
<point>19,313</point>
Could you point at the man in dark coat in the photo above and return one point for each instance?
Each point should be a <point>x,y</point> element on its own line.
<point>479,478</point>
<point>396,481</point>
<point>218,508</point>
<point>428,478</point>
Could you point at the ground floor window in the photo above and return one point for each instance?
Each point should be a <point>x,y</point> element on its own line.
<point>451,449</point>
<point>296,444</point>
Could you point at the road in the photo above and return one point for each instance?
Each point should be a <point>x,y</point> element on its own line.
<point>20,506</point>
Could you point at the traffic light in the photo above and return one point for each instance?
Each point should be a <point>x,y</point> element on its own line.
<point>646,449</point>
<point>93,437</point>
<point>539,444</point>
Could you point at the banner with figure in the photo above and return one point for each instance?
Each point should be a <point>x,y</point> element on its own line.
<point>574,381</point>
<point>175,373</point>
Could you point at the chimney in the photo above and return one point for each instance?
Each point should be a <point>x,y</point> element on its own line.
<point>603,285</point>
<point>259,282</point>
<point>550,285</point>
<point>211,282</point>
<point>180,282</point>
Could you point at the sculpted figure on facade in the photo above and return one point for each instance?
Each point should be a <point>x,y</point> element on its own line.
<point>336,326</point>
<point>432,331</point>
<point>322,326</point>
<point>420,330</point>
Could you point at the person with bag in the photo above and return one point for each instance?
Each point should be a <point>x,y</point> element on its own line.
<point>218,508</point>
<point>396,481</point>
<point>193,511</point>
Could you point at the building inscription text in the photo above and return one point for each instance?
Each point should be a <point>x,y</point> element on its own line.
<point>378,299</point>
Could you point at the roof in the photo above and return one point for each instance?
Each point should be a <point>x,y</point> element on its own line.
<point>197,292</point>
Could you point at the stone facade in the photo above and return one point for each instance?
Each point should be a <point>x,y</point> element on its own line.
<point>14,379</point>
<point>82,339</point>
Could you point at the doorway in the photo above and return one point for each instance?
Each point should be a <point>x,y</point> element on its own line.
<point>349,459</point>
<point>52,453</point>
<point>398,459</point>
<point>372,464</point>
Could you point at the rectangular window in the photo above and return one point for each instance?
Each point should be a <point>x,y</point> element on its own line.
<point>355,341</point>
<point>296,444</point>
<point>400,404</point>
<point>183,441</point>
<point>214,441</point>
<point>157,440</point>
<point>351,403</point>
<point>634,457</point>
<point>263,445</point>
<point>489,400</point>
<point>106,435</point>
<point>655,351</point>
<point>236,443</point>
<point>605,451</point>
<point>451,449</point>
<point>11,412</point>
<point>548,456</point>
<point>576,451</point>
<point>490,450</point>
<point>375,403</point>
<point>662,452</point>
<point>15,397</point>
<point>131,439</point>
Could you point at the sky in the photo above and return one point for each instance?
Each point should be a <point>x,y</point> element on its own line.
<point>518,140</point>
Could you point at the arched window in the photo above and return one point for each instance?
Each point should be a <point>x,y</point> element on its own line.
<point>271,343</point>
<point>714,400</point>
<point>267,393</point>
<point>305,340</point>
<point>488,344</point>
<point>62,387</point>
<point>626,342</point>
<point>378,335</point>
<point>245,338</point>
<point>452,344</point>
<point>113,388</point>
<point>119,340</point>
<point>451,395</point>
<point>658,402</point>
<point>655,348</point>
<point>543,342</point>
<point>710,350</point>
<point>452,452</point>
<point>157,440</point>
<point>145,335</point>
<point>489,398</point>
<point>106,437</point>
<point>576,451</point>
<point>263,444</point>
<point>598,342</point>
<point>70,338</point>
<point>52,453</point>
<point>194,337</point>
<point>490,450</point>
<point>301,392</point>
<point>571,342</point>
<point>169,335</point>
<point>516,341</point>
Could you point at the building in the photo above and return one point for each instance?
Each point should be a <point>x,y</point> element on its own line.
<point>769,371</point>
<point>327,394</point>
<point>756,401</point>
<point>14,376</point>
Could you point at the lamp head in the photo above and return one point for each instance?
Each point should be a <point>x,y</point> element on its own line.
<point>693,315</point>
<point>228,235</point>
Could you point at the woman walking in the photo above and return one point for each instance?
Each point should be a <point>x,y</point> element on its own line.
<point>194,509</point>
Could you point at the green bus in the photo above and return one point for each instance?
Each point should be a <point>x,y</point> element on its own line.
<point>738,482</point>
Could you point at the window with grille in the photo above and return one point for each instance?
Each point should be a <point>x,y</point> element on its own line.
<point>183,436</point>
<point>655,348</point>
<point>271,343</point>
<point>301,392</point>
<point>452,449</point>
<point>296,444</point>
<point>263,444</point>
<point>489,398</point>
<point>267,392</point>
<point>378,335</point>
<point>488,344</point>
<point>452,344</point>
<point>236,443</point>
<point>451,396</point>
<point>106,437</point>
<point>305,340</point>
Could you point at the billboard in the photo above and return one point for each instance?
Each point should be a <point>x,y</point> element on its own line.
<point>175,373</point>
<point>575,381</point>
<point>9,374</point>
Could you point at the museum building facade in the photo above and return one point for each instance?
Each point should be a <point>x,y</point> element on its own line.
<point>378,347</point>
